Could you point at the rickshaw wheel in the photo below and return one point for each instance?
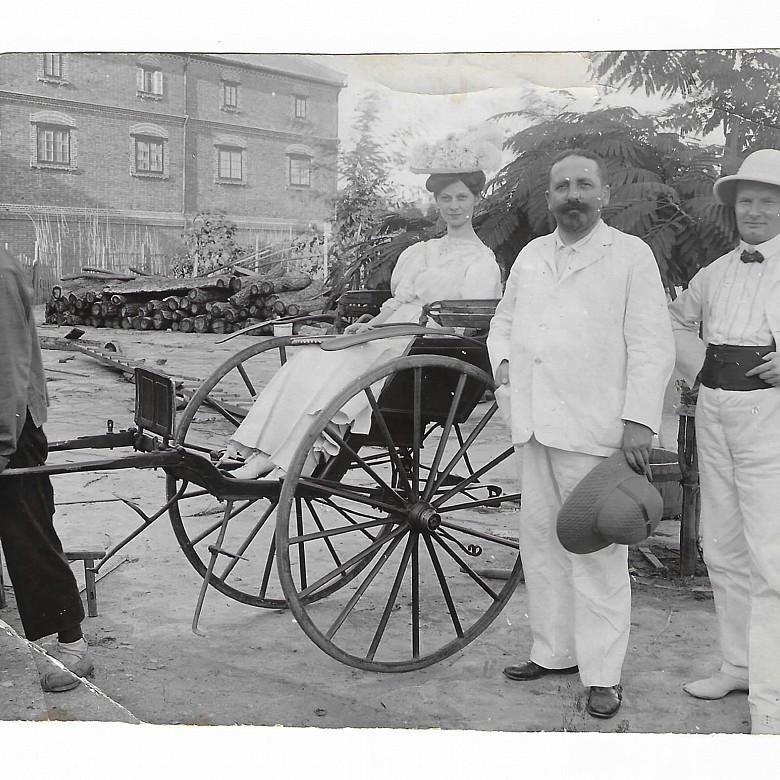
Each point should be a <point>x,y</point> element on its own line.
<point>415,507</point>
<point>246,567</point>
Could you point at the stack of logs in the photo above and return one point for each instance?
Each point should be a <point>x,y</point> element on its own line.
<point>211,305</point>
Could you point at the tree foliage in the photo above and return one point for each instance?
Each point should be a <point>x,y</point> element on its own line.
<point>661,171</point>
<point>661,186</point>
<point>367,212</point>
<point>364,171</point>
<point>210,240</point>
<point>661,191</point>
<point>734,90</point>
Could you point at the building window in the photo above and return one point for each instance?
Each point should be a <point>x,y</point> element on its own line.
<point>149,82</point>
<point>300,170</point>
<point>53,145</point>
<point>52,66</point>
<point>230,164</point>
<point>149,155</point>
<point>148,150</point>
<point>301,107</point>
<point>230,95</point>
<point>53,141</point>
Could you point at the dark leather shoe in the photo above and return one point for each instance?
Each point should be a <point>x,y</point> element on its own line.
<point>532,671</point>
<point>604,702</point>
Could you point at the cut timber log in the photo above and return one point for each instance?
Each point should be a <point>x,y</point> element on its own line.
<point>209,294</point>
<point>107,276</point>
<point>165,286</point>
<point>299,302</point>
<point>80,287</point>
<point>288,283</point>
<point>202,324</point>
<point>116,274</point>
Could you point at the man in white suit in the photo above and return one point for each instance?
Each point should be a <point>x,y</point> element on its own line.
<point>582,349</point>
<point>736,301</point>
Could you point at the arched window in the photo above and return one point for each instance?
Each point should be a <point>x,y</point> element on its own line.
<point>230,159</point>
<point>231,91</point>
<point>299,165</point>
<point>52,140</point>
<point>149,77</point>
<point>149,150</point>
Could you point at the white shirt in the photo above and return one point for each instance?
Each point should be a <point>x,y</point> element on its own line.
<point>565,252</point>
<point>736,306</point>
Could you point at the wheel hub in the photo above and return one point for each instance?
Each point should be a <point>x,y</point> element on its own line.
<point>424,517</point>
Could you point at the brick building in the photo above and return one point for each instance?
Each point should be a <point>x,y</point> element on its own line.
<point>104,157</point>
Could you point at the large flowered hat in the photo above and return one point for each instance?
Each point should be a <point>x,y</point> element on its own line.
<point>474,150</point>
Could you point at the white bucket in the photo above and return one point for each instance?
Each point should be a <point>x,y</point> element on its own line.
<point>283,329</point>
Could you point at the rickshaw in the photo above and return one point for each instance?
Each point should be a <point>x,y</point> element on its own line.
<point>400,547</point>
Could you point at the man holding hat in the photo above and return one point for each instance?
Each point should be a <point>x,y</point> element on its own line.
<point>736,302</point>
<point>582,350</point>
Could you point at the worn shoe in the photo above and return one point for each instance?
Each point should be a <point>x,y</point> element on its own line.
<point>715,687</point>
<point>532,671</point>
<point>764,724</point>
<point>604,702</point>
<point>75,657</point>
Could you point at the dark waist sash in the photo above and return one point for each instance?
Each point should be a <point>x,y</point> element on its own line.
<point>725,366</point>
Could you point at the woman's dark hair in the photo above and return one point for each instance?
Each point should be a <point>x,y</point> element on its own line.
<point>474,180</point>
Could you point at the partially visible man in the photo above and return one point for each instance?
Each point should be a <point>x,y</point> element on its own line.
<point>736,301</point>
<point>47,595</point>
<point>582,342</point>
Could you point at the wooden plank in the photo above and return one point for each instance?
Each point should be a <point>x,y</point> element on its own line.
<point>651,558</point>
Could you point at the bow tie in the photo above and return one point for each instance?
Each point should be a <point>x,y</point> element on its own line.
<point>751,257</point>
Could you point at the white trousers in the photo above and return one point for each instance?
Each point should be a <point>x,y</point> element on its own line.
<point>738,438</point>
<point>579,606</point>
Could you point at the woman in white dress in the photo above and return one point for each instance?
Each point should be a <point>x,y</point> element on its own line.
<point>458,265</point>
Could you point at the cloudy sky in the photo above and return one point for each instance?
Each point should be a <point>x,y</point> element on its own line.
<point>422,97</point>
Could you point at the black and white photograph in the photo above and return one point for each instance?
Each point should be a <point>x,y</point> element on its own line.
<point>375,403</point>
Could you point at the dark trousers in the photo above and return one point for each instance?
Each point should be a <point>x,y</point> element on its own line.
<point>47,595</point>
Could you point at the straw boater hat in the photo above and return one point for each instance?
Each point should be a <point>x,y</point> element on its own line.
<point>762,166</point>
<point>475,150</point>
<point>612,504</point>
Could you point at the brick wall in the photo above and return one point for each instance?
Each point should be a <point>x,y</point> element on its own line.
<point>102,145</point>
<point>98,98</point>
<point>99,79</point>
<point>264,100</point>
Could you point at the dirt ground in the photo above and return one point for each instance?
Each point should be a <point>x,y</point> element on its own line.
<point>258,667</point>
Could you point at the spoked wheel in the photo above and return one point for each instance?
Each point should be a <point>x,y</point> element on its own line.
<point>245,568</point>
<point>414,504</point>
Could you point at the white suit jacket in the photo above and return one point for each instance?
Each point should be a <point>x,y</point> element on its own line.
<point>585,351</point>
<point>692,305</point>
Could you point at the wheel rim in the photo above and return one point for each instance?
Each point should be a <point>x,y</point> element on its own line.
<point>410,509</point>
<point>246,570</point>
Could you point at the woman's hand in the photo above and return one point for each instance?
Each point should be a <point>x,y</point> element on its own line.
<point>360,326</point>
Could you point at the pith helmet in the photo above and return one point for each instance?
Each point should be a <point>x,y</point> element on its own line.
<point>762,166</point>
<point>612,504</point>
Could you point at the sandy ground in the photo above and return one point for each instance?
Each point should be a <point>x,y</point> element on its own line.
<point>258,667</point>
